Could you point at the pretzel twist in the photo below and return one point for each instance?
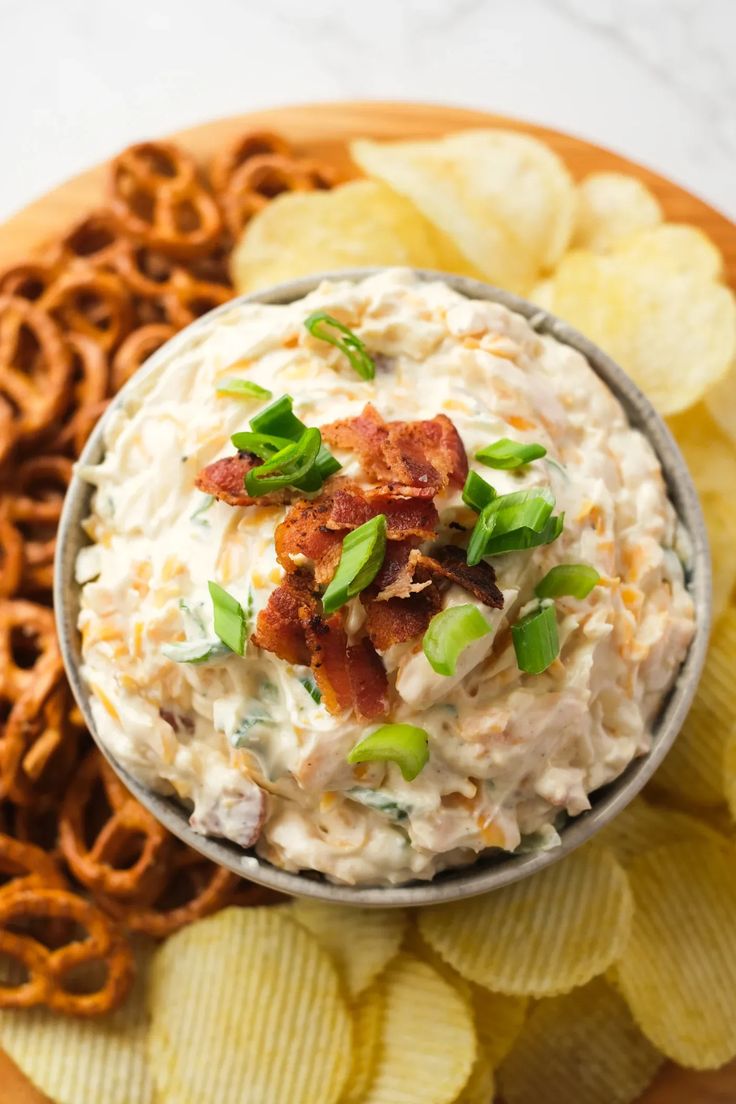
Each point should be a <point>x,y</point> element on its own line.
<point>254,143</point>
<point>30,660</point>
<point>95,240</point>
<point>12,558</point>
<point>38,750</point>
<point>49,968</point>
<point>259,179</point>
<point>25,865</point>
<point>91,373</point>
<point>136,349</point>
<point>91,302</point>
<point>35,509</point>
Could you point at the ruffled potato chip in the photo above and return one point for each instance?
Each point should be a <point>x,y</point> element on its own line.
<point>480,1086</point>
<point>540,936</point>
<point>678,971</point>
<point>720,521</point>
<point>247,998</point>
<point>710,455</point>
<point>677,248</point>
<point>505,199</point>
<point>361,223</point>
<point>498,1020</point>
<point>582,1047</point>
<point>367,1013</point>
<point>721,402</point>
<point>76,1061</point>
<point>611,206</point>
<point>642,826</point>
<point>427,1047</point>
<point>673,331</point>
<point>361,941</point>
<point>694,769</point>
<point>419,948</point>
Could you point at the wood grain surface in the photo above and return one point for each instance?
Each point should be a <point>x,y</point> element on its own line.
<point>322,130</point>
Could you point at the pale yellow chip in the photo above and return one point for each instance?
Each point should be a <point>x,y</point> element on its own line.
<point>428,1045</point>
<point>505,199</point>
<point>77,1061</point>
<point>678,971</point>
<point>580,1048</point>
<point>540,936</point>
<point>498,1020</point>
<point>247,1002</point>
<point>694,769</point>
<point>710,455</point>
<point>419,948</point>
<point>360,223</point>
<point>720,521</point>
<point>367,1013</point>
<point>480,1086</point>
<point>673,332</point>
<point>676,248</point>
<point>642,826</point>
<point>729,772</point>
<point>721,401</point>
<point>610,207</point>
<point>361,941</point>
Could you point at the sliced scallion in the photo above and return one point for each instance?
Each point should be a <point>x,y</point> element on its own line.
<point>195,651</point>
<point>279,420</point>
<point>449,634</point>
<point>243,389</point>
<point>326,328</point>
<point>286,468</point>
<point>536,642</point>
<point>403,744</point>
<point>575,580</point>
<point>521,510</point>
<point>230,620</point>
<point>311,687</point>
<point>477,493</point>
<point>506,454</point>
<point>518,540</point>
<point>360,560</point>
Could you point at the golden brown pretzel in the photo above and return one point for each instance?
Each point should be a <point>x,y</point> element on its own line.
<point>157,199</point>
<point>11,553</point>
<point>23,864</point>
<point>35,508</point>
<point>136,349</point>
<point>35,368</point>
<point>50,970</point>
<point>254,143</point>
<point>125,857</point>
<point>90,388</point>
<point>30,661</point>
<point>254,183</point>
<point>190,299</point>
<point>30,279</point>
<point>95,240</point>
<point>38,749</point>
<point>91,302</point>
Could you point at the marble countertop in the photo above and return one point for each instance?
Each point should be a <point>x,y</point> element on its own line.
<point>653,79</point>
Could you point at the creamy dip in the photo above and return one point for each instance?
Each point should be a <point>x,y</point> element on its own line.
<point>510,754</point>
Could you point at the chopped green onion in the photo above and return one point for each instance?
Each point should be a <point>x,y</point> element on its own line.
<point>577,580</point>
<point>287,467</point>
<point>521,510</point>
<point>449,634</point>
<point>506,454</point>
<point>403,744</point>
<point>207,501</point>
<point>476,492</point>
<point>279,420</point>
<point>242,389</point>
<point>521,539</point>
<point>194,651</point>
<point>230,619</point>
<point>260,444</point>
<point>311,687</point>
<point>360,560</point>
<point>320,324</point>
<point>535,640</point>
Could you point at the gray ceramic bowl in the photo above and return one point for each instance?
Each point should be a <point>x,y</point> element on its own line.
<point>491,870</point>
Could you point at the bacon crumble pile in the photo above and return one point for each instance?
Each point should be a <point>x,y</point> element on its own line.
<point>410,463</point>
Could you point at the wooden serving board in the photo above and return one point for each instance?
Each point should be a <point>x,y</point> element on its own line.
<point>323,131</point>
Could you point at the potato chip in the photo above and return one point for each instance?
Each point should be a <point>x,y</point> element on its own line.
<point>427,1046</point>
<point>361,941</point>
<point>674,332</point>
<point>729,772</point>
<point>367,1013</point>
<point>694,768</point>
<point>678,971</point>
<point>710,455</point>
<point>642,826</point>
<point>76,1061</point>
<point>611,206</point>
<point>498,1021</point>
<point>419,948</point>
<point>721,402</point>
<point>505,199</point>
<point>720,521</point>
<point>361,223</point>
<point>582,1047</point>
<point>540,936</point>
<point>480,1086</point>
<point>676,248</point>
<point>247,998</point>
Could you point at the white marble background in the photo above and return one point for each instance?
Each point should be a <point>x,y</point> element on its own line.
<point>654,79</point>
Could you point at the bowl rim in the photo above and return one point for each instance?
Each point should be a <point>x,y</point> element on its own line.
<point>487,872</point>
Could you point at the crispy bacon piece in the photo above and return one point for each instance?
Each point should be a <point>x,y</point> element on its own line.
<point>225,479</point>
<point>405,517</point>
<point>304,532</point>
<point>368,680</point>
<point>279,627</point>
<point>449,563</point>
<point>396,578</point>
<point>398,620</point>
<point>328,649</point>
<point>411,458</point>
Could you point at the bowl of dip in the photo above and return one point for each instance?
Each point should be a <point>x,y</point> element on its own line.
<point>385,587</point>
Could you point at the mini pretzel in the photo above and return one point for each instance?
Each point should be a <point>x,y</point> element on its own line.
<point>24,864</point>
<point>30,661</point>
<point>125,856</point>
<point>93,303</point>
<point>11,553</point>
<point>35,368</point>
<point>48,968</point>
<point>91,375</point>
<point>38,749</point>
<point>136,349</point>
<point>205,887</point>
<point>95,240</point>
<point>156,198</point>
<point>254,143</point>
<point>192,298</point>
<point>260,179</point>
<point>29,279</point>
<point>35,509</point>
<point>146,272</point>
